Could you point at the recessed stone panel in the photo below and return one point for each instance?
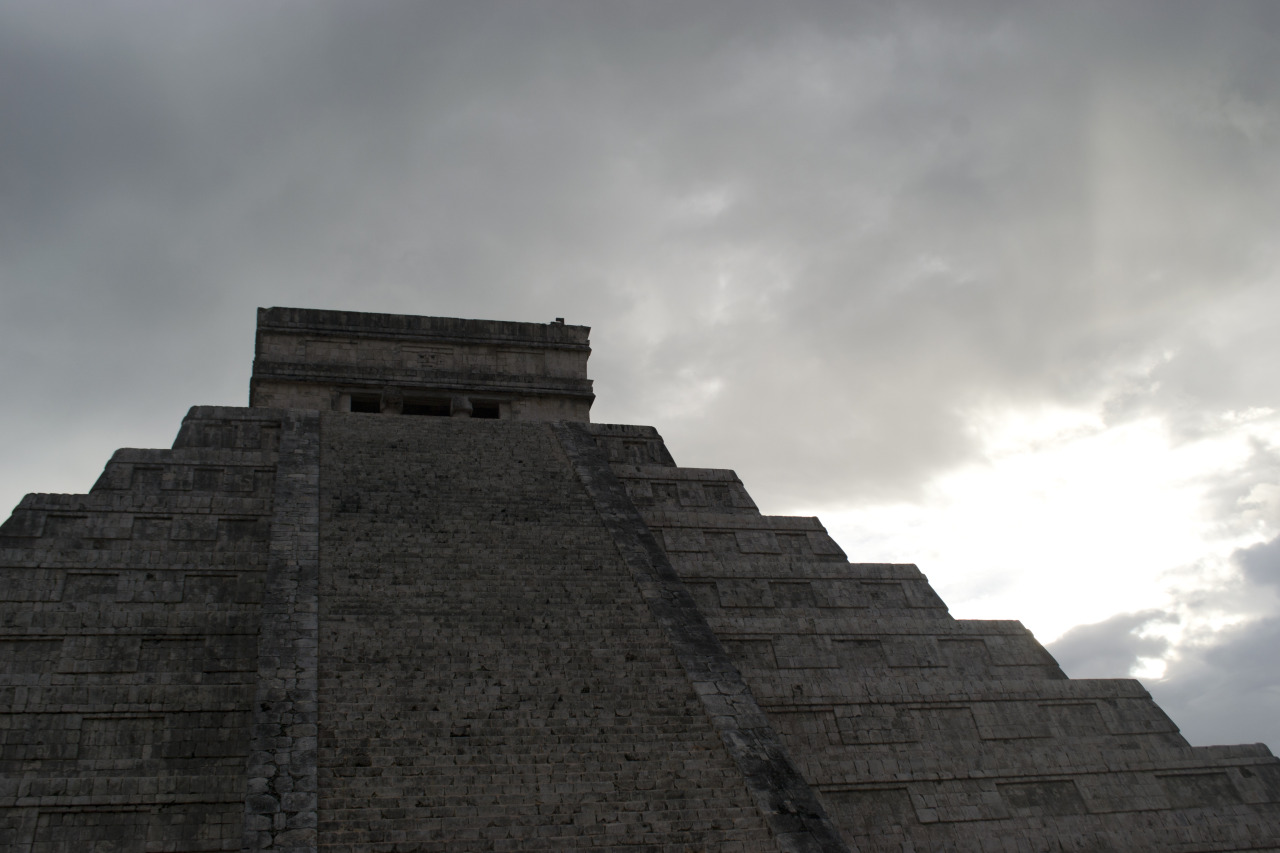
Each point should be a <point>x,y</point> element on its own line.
<point>792,594</point>
<point>757,542</point>
<point>121,738</point>
<point>755,653</point>
<point>85,587</point>
<point>745,593</point>
<point>29,656</point>
<point>1076,719</point>
<point>1199,790</point>
<point>859,654</point>
<point>100,653</point>
<point>871,812</point>
<point>1048,797</point>
<point>679,539</point>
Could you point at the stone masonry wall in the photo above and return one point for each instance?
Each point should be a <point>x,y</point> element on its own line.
<point>128,628</point>
<point>920,731</point>
<point>316,359</point>
<point>490,678</point>
<point>303,631</point>
<point>788,803</point>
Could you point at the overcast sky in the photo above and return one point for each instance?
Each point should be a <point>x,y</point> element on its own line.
<point>988,287</point>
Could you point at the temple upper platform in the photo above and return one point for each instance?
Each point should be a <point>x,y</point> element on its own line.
<point>351,361</point>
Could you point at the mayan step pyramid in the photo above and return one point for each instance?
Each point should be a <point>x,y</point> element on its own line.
<point>411,599</point>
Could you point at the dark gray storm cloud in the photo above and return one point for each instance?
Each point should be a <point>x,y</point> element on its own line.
<point>812,238</point>
<point>1219,684</point>
<point>1261,563</point>
<point>1110,648</point>
<point>1225,687</point>
<point>1220,687</point>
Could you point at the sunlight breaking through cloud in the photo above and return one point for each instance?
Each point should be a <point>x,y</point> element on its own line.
<point>1068,520</point>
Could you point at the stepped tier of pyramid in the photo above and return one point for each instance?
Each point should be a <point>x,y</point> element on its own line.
<point>411,599</point>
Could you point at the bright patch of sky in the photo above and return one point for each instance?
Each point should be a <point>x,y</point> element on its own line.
<point>1068,521</point>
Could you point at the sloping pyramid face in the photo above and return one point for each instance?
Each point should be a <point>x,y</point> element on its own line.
<point>324,623</point>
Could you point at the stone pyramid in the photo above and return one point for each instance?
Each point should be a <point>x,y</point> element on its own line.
<point>411,599</point>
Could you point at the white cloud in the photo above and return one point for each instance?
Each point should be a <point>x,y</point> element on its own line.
<point>1068,520</point>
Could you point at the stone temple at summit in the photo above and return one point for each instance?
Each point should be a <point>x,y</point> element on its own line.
<point>412,599</point>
